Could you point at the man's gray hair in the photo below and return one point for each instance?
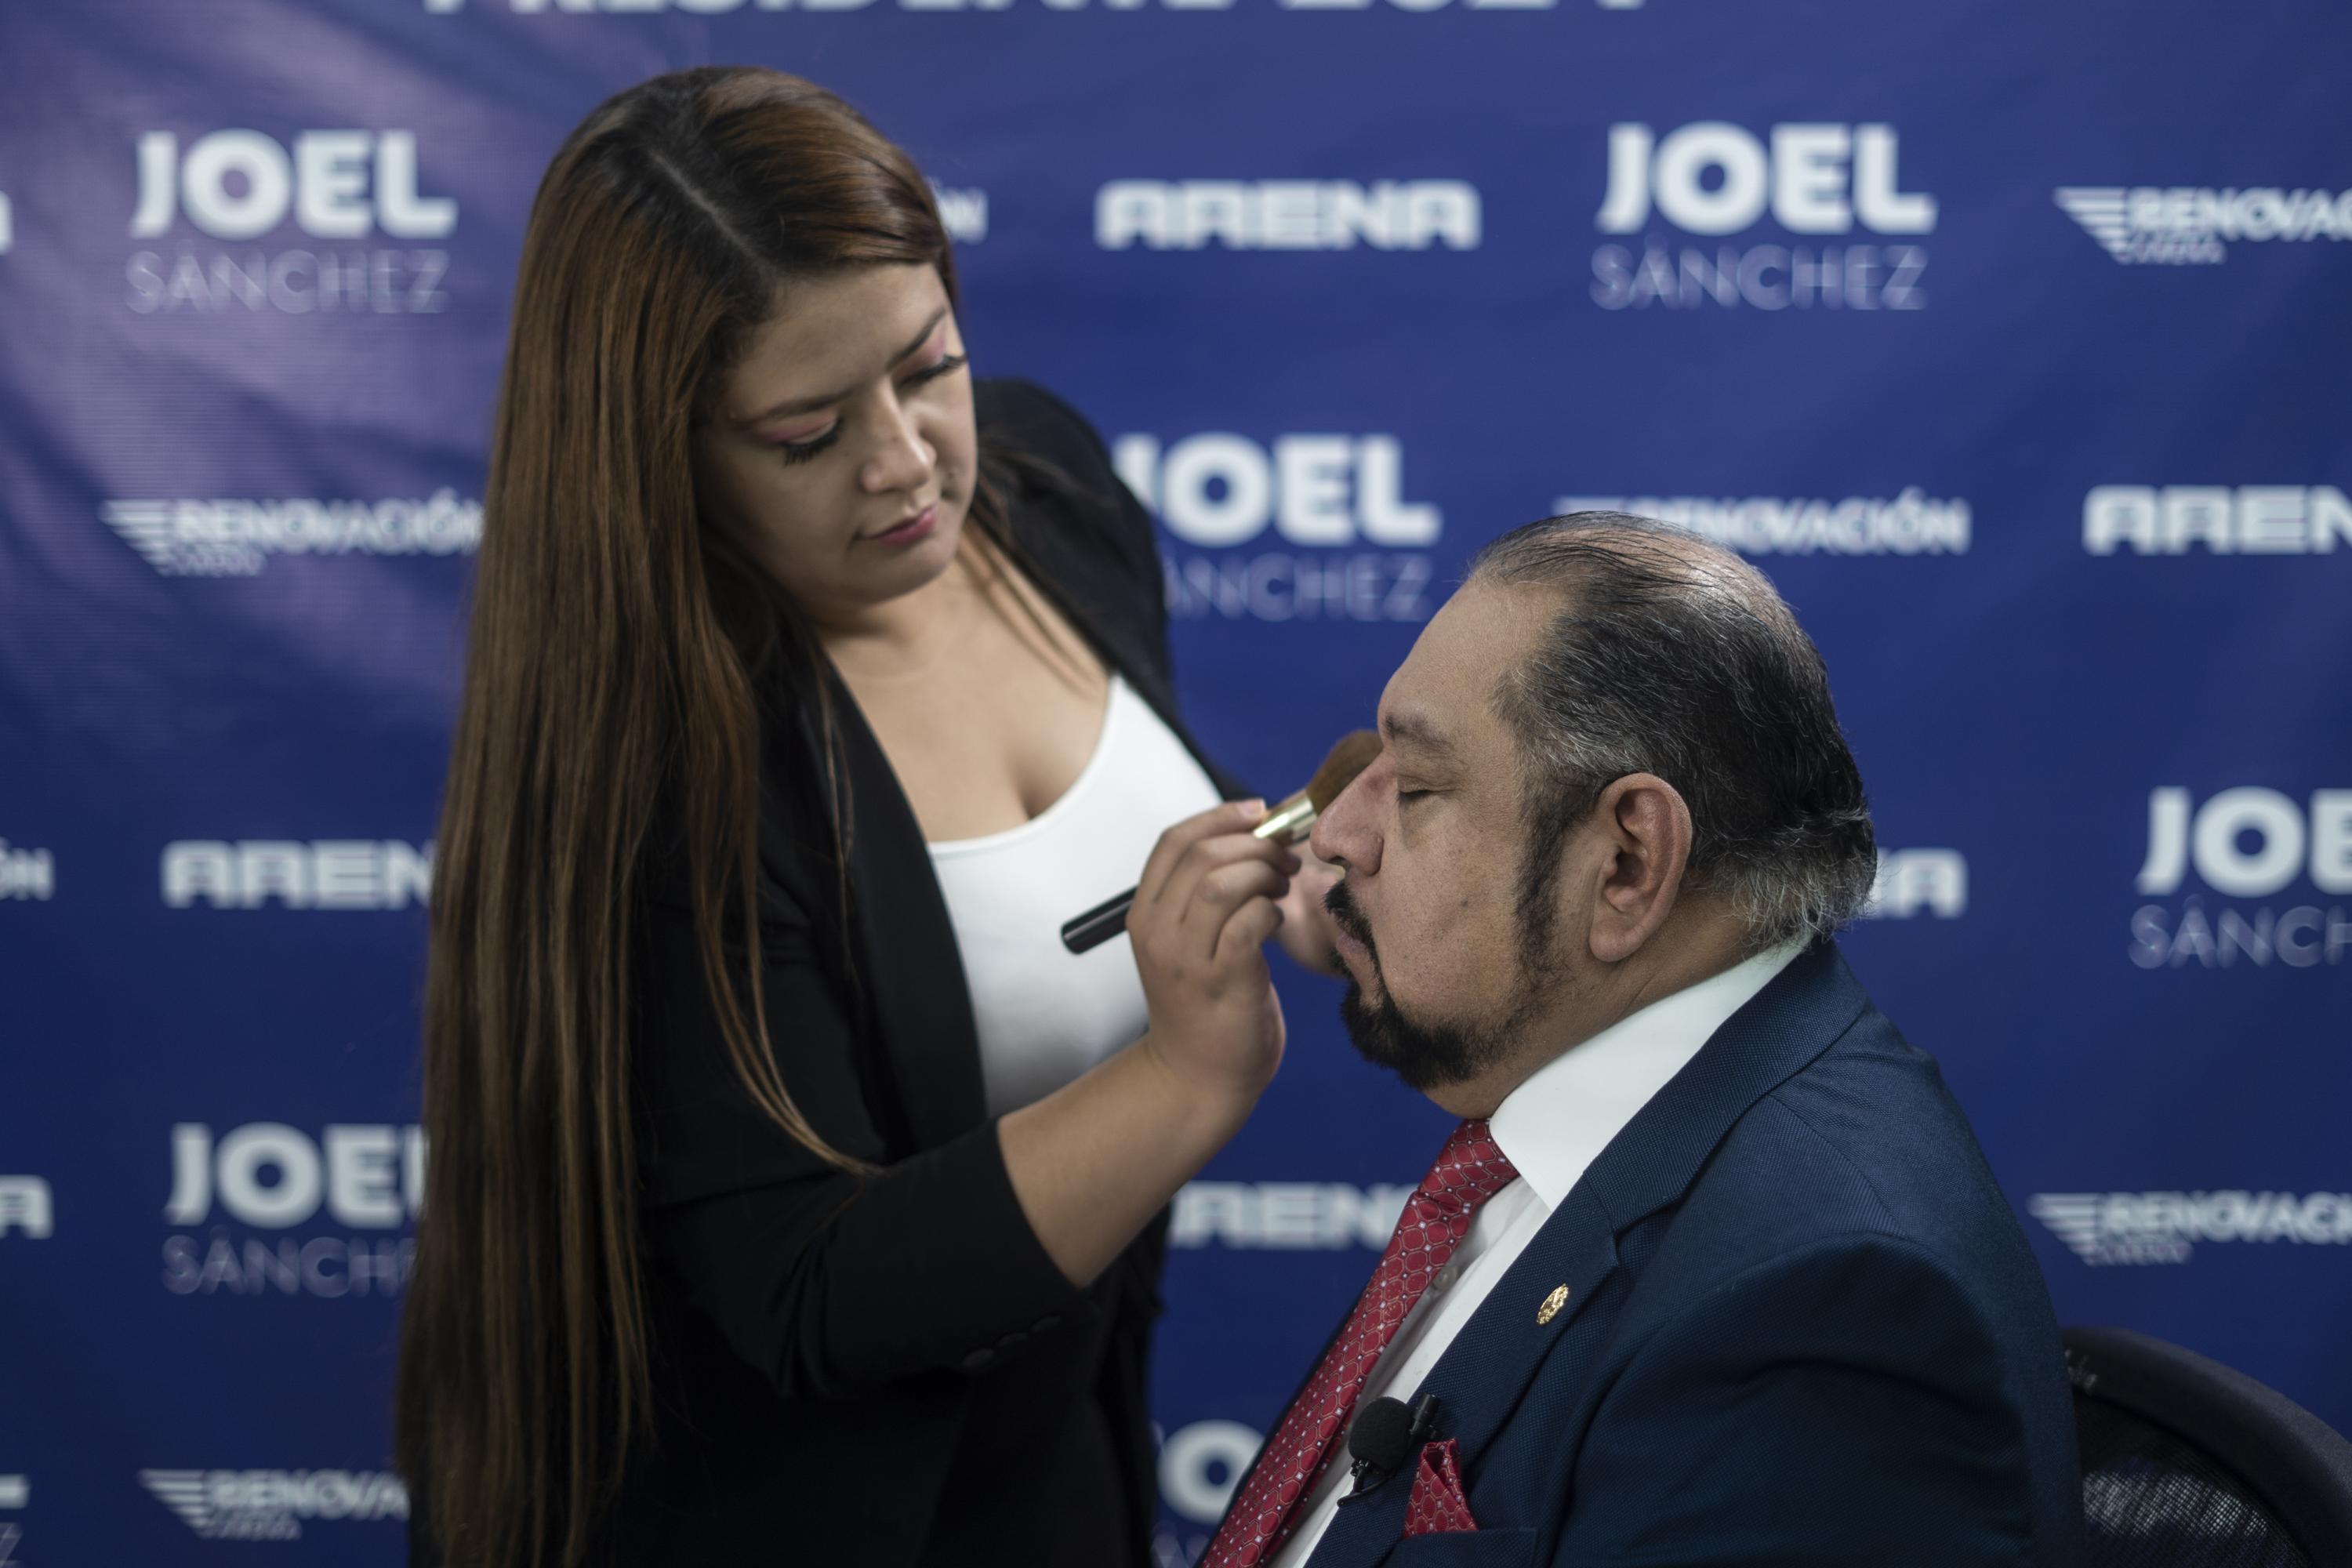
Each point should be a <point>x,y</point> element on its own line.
<point>1670,655</point>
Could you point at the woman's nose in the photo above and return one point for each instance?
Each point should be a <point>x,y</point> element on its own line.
<point>904,459</point>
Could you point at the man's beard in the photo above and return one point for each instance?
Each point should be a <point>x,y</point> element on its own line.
<point>1425,1055</point>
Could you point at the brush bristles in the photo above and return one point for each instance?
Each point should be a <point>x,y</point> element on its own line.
<point>1352,756</point>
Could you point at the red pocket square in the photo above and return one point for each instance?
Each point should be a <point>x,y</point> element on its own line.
<point>1438,1504</point>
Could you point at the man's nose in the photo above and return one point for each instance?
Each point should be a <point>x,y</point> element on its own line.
<point>1345,832</point>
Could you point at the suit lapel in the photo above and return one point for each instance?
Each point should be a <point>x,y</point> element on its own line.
<point>1649,1164</point>
<point>1479,1379</point>
<point>910,970</point>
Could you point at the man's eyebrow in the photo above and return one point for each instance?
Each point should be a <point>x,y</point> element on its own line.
<point>1411,729</point>
<point>803,404</point>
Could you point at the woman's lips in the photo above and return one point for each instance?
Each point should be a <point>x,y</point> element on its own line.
<point>920,526</point>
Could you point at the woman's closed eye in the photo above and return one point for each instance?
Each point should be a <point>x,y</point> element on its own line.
<point>800,451</point>
<point>933,371</point>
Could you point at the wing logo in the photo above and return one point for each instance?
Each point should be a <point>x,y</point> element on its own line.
<point>269,1505</point>
<point>2186,226</point>
<point>236,538</point>
<point>182,1492</point>
<point>146,527</point>
<point>2104,213</point>
<point>2072,1218</point>
<point>2104,1228</point>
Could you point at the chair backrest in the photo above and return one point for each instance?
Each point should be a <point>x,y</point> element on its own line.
<point>2185,1462</point>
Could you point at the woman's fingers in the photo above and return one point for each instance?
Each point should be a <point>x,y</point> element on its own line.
<point>1232,816</point>
<point>1246,931</point>
<point>1214,876</point>
<point>1219,894</point>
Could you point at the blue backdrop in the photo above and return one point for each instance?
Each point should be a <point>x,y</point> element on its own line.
<point>2009,339</point>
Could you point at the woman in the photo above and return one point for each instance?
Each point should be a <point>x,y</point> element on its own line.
<point>794,1198</point>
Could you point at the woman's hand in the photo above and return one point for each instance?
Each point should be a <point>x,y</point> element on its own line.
<point>1307,925</point>
<point>1095,1160</point>
<point>1204,908</point>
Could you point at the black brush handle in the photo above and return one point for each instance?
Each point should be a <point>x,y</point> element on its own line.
<point>1099,924</point>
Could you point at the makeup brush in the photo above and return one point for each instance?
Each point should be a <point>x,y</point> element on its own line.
<point>1287,823</point>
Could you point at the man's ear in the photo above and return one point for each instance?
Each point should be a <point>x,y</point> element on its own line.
<point>1645,829</point>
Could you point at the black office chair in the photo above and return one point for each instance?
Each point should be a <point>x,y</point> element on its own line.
<point>2186,1464</point>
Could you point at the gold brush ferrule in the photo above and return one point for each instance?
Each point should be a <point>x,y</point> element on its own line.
<point>1288,822</point>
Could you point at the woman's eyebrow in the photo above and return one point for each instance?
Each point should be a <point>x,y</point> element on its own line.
<point>803,404</point>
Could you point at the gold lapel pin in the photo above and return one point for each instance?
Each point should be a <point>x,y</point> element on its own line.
<point>1551,1305</point>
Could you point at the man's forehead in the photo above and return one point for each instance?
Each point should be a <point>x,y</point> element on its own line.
<point>1437,700</point>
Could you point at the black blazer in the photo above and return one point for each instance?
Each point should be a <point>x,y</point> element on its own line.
<point>886,1371</point>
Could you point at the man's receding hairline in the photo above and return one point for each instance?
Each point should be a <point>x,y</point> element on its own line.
<point>1711,571</point>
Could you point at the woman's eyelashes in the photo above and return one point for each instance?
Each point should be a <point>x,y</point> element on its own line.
<point>933,371</point>
<point>802,450</point>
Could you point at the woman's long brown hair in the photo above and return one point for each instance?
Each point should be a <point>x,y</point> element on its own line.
<point>602,680</point>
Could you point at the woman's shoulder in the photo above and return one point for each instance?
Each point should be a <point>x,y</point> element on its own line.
<point>1067,497</point>
<point>1023,416</point>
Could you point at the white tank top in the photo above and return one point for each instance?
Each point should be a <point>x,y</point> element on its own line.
<point>1047,1014</point>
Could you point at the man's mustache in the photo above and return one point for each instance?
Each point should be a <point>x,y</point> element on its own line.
<point>1341,904</point>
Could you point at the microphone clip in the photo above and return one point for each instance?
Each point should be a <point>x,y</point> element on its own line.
<point>1383,1443</point>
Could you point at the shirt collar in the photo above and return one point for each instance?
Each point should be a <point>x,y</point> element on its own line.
<point>1555,1123</point>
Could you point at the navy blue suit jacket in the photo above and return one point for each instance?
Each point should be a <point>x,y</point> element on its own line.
<point>1802,1328</point>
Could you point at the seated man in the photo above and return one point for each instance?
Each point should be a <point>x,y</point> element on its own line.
<point>1713,1272</point>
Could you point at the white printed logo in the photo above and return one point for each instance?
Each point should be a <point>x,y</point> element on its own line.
<point>27,873</point>
<point>1286,1217</point>
<point>2250,520</point>
<point>1803,178</point>
<point>16,1492</point>
<point>24,1206</point>
<point>241,184</point>
<point>271,1505</point>
<point>236,538</point>
<point>236,185</point>
<point>369,1176</point>
<point>1911,523</point>
<point>324,874</point>
<point>2104,1228</point>
<point>2243,843</point>
<point>1712,178</point>
<point>1199,1465</point>
<point>2182,225</point>
<point>1916,881</point>
<point>270,1176</point>
<point>963,212</point>
<point>2215,843</point>
<point>1323,495</point>
<point>1287,214</point>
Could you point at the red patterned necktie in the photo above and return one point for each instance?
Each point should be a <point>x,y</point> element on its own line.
<point>1469,1170</point>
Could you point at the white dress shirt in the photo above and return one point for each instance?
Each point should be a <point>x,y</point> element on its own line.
<point>1551,1128</point>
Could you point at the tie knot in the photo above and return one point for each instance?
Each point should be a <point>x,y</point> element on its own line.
<point>1469,1170</point>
